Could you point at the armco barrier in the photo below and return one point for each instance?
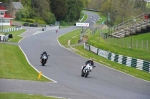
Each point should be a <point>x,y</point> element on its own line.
<point>103,53</point>
<point>94,49</point>
<point>128,61</point>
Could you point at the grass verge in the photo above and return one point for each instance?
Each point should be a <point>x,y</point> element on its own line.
<point>84,18</point>
<point>13,62</point>
<point>73,36</point>
<point>80,50</point>
<point>24,96</point>
<point>110,45</point>
<point>16,36</point>
<point>6,27</point>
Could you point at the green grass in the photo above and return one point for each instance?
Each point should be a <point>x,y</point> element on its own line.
<point>81,15</point>
<point>73,36</point>
<point>6,27</point>
<point>138,41</point>
<point>94,40</point>
<point>16,36</point>
<point>126,51</point>
<point>24,96</point>
<point>84,18</point>
<point>147,5</point>
<point>103,18</point>
<point>63,23</point>
<point>14,64</point>
<point>61,27</point>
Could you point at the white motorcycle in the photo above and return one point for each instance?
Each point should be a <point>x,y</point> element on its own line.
<point>85,71</point>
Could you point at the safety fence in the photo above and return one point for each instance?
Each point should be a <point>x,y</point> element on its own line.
<point>5,36</point>
<point>128,61</point>
<point>11,29</point>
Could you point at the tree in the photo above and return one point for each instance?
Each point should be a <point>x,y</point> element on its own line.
<point>95,4</point>
<point>74,9</point>
<point>86,2</point>
<point>59,8</point>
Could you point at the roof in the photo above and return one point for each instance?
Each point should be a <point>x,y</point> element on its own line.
<point>2,8</point>
<point>17,5</point>
<point>8,16</point>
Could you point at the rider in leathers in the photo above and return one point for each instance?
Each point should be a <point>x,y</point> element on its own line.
<point>44,52</point>
<point>90,61</point>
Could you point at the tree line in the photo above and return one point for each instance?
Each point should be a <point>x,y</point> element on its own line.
<point>51,10</point>
<point>120,10</point>
<point>70,10</point>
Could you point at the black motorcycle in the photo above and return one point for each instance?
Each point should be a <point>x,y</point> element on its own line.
<point>44,59</point>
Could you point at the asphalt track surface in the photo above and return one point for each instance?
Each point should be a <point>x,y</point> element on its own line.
<point>64,67</point>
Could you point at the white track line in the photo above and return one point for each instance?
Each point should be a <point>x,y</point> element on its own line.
<point>99,63</point>
<point>32,65</point>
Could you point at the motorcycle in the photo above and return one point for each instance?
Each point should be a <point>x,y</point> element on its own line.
<point>86,70</point>
<point>44,59</point>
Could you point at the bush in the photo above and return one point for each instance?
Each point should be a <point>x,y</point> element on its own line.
<point>23,19</point>
<point>33,25</point>
<point>18,16</point>
<point>30,20</point>
<point>40,21</point>
<point>63,23</point>
<point>25,24</point>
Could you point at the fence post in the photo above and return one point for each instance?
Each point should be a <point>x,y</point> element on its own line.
<point>147,44</point>
<point>136,44</point>
<point>142,44</point>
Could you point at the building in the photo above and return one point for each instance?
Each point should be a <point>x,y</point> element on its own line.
<point>14,7</point>
<point>5,19</point>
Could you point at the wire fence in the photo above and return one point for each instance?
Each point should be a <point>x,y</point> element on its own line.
<point>130,43</point>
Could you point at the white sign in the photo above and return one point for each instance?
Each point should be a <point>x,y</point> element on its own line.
<point>82,24</point>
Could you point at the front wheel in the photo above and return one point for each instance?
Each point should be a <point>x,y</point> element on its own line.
<point>43,62</point>
<point>86,74</point>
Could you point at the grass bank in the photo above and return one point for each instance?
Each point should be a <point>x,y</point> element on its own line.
<point>84,17</point>
<point>24,96</point>
<point>13,62</point>
<point>16,37</point>
<point>113,45</point>
<point>72,36</point>
<point>102,44</point>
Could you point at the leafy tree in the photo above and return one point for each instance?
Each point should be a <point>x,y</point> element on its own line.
<point>95,4</point>
<point>59,8</point>
<point>23,13</point>
<point>4,0</point>
<point>74,9</point>
<point>140,6</point>
<point>86,2</point>
<point>122,10</point>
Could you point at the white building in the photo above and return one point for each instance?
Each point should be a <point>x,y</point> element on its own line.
<point>5,19</point>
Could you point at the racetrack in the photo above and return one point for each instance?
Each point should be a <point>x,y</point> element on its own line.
<point>64,67</point>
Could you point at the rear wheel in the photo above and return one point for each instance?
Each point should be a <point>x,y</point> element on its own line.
<point>82,74</point>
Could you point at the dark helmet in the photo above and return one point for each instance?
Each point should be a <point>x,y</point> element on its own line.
<point>44,51</point>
